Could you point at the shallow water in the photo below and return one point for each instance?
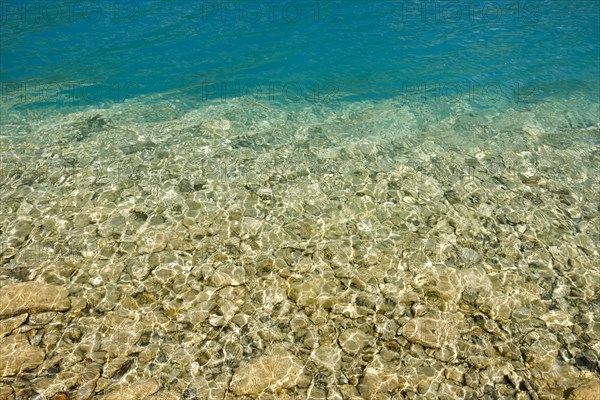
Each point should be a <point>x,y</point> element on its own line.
<point>346,217</point>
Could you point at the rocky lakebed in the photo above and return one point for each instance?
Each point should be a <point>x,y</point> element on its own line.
<point>221,254</point>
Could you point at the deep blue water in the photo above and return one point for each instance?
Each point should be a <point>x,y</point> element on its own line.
<point>95,53</point>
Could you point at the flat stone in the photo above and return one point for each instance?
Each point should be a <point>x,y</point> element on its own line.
<point>266,373</point>
<point>588,391</point>
<point>139,146</point>
<point>152,242</point>
<point>111,367</point>
<point>542,350</point>
<point>316,291</point>
<point>354,340</point>
<point>228,275</point>
<point>138,391</point>
<point>43,318</point>
<point>89,377</point>
<point>32,297</point>
<point>10,324</point>
<point>376,382</point>
<point>6,392</point>
<point>428,332</point>
<point>18,355</point>
<point>327,357</point>
<point>165,396</point>
<point>219,125</point>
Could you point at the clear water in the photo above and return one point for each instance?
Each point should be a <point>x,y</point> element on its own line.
<point>491,55</point>
<point>215,182</point>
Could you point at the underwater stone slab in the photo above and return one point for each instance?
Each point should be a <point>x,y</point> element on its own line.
<point>32,297</point>
<point>542,350</point>
<point>18,355</point>
<point>354,340</point>
<point>427,332</point>
<point>152,242</point>
<point>327,357</point>
<point>376,382</point>
<point>228,275</point>
<point>10,324</point>
<point>6,392</point>
<point>266,373</point>
<point>164,396</point>
<point>316,291</point>
<point>139,391</point>
<point>588,391</point>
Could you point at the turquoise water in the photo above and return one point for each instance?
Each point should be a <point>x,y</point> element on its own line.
<point>299,199</point>
<point>493,55</point>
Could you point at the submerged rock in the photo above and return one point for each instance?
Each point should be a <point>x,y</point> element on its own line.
<point>312,292</point>
<point>18,355</point>
<point>377,382</point>
<point>139,146</point>
<point>10,324</point>
<point>588,391</point>
<point>327,357</point>
<point>354,340</point>
<point>266,373</point>
<point>32,297</point>
<point>228,275</point>
<point>428,332</point>
<point>138,391</point>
